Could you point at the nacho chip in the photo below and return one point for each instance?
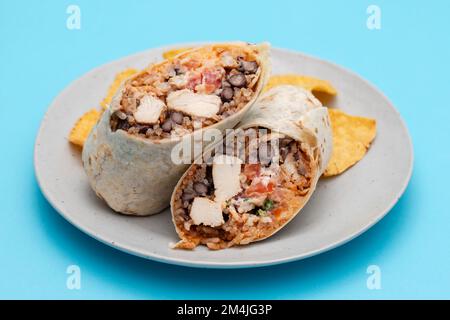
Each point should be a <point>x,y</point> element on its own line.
<point>322,89</point>
<point>352,137</point>
<point>120,77</point>
<point>83,127</point>
<point>170,54</point>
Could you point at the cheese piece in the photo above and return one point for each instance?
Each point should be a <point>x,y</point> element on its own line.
<point>194,104</point>
<point>149,110</point>
<point>206,212</point>
<point>226,170</point>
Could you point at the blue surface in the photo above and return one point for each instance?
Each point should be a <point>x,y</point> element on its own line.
<point>407,59</point>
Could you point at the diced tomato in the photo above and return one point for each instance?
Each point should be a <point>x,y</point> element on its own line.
<point>252,170</point>
<point>260,188</point>
<point>212,77</point>
<point>277,211</point>
<point>212,80</point>
<point>209,88</point>
<point>193,81</point>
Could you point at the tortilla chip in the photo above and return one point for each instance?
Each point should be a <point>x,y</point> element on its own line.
<point>352,137</point>
<point>170,54</point>
<point>322,89</point>
<point>83,127</point>
<point>120,77</point>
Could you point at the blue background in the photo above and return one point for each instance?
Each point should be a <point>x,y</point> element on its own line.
<point>407,59</point>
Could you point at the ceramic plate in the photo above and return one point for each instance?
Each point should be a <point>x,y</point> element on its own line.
<point>341,208</point>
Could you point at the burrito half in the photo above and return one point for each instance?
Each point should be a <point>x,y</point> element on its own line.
<point>127,156</point>
<point>248,188</point>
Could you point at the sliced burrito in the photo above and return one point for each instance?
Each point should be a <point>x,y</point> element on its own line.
<point>127,156</point>
<point>253,183</point>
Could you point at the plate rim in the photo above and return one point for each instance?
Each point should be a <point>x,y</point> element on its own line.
<point>209,264</point>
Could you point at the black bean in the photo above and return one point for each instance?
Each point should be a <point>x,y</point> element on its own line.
<point>284,142</point>
<point>209,176</point>
<point>121,115</point>
<point>200,188</point>
<point>249,66</point>
<point>227,94</point>
<point>167,125</point>
<point>123,124</point>
<point>225,84</point>
<point>186,196</point>
<point>143,129</point>
<point>283,153</point>
<point>177,117</point>
<point>237,80</point>
<point>225,217</point>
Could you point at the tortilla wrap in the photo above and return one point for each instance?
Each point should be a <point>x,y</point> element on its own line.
<point>290,113</point>
<point>135,175</point>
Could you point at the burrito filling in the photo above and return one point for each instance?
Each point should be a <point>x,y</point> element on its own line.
<point>229,201</point>
<point>188,92</point>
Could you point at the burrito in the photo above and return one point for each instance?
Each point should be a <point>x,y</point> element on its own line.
<point>127,156</point>
<point>259,177</point>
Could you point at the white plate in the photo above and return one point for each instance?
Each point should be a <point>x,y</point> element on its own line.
<point>340,209</point>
